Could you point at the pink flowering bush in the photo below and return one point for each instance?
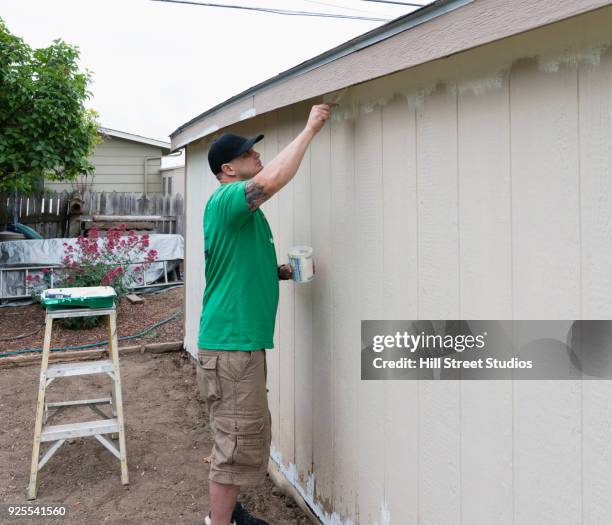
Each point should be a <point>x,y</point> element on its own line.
<point>100,261</point>
<point>89,264</point>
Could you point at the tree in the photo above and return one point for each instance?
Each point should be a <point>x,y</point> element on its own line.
<point>45,129</point>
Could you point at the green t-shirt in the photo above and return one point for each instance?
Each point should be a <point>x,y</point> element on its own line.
<point>241,295</point>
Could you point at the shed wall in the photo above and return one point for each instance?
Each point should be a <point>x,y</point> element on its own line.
<point>475,187</point>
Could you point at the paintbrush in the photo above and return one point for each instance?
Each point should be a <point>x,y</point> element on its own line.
<point>335,96</point>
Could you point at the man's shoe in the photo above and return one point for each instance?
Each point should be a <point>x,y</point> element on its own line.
<point>242,517</point>
<point>208,520</point>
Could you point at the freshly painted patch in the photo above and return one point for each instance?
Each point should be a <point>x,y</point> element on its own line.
<point>248,113</point>
<point>355,103</point>
<point>590,56</point>
<point>210,129</point>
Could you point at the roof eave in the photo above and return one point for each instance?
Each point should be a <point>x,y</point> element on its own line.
<point>163,146</point>
<point>467,24</point>
<point>370,38</point>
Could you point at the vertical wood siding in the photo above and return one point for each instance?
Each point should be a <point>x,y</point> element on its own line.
<point>119,166</point>
<point>486,293</point>
<point>400,283</point>
<point>595,125</point>
<point>304,198</point>
<point>346,336</point>
<point>477,187</point>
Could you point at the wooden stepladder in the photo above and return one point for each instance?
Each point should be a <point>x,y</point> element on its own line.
<point>57,434</point>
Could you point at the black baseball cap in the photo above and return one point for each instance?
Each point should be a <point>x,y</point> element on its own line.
<point>227,147</point>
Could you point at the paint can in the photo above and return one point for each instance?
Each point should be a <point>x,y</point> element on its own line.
<point>300,259</point>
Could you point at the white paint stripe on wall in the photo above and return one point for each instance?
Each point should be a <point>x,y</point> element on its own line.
<point>346,336</point>
<point>486,293</point>
<point>286,305</point>
<point>400,283</point>
<point>303,312</point>
<point>368,220</point>
<point>322,319</point>
<point>269,149</point>
<point>438,298</point>
<point>595,124</point>
<point>546,281</point>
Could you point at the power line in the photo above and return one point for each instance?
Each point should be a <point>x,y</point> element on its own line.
<point>335,5</point>
<point>409,4</point>
<point>274,11</point>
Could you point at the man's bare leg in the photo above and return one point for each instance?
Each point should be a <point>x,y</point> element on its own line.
<point>222,501</point>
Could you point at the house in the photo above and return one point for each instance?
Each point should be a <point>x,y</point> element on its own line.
<point>173,180</point>
<point>124,162</point>
<point>465,175</point>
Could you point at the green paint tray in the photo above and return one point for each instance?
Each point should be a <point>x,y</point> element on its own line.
<point>84,297</point>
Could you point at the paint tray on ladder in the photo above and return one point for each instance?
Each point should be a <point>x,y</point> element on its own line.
<point>83,297</point>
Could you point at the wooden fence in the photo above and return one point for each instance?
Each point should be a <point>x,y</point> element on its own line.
<point>49,214</point>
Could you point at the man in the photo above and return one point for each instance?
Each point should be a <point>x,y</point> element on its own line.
<point>239,310</point>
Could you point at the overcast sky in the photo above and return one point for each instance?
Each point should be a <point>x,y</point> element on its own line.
<point>157,65</point>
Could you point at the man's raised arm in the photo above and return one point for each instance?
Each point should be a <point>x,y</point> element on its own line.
<point>284,166</point>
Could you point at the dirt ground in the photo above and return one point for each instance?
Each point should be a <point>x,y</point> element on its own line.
<point>168,437</point>
<point>19,321</point>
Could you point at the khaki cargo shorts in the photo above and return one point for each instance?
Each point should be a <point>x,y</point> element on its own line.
<point>235,389</point>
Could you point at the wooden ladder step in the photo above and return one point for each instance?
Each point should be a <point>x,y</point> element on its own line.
<point>78,402</point>
<point>81,429</point>
<point>80,368</point>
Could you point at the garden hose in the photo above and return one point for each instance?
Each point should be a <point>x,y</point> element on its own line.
<point>22,336</point>
<point>101,343</point>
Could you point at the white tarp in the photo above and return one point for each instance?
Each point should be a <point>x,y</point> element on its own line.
<point>49,252</point>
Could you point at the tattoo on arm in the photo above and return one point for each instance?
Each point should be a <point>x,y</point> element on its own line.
<point>255,195</point>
